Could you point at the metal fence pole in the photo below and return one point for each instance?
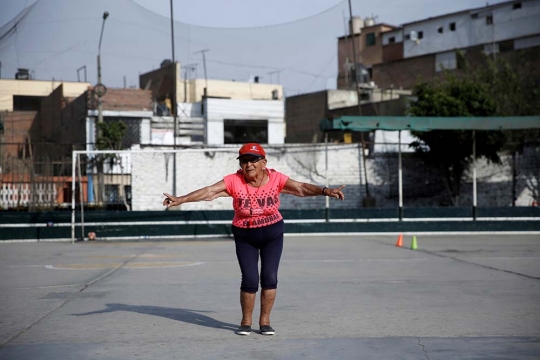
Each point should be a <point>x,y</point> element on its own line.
<point>327,199</point>
<point>400,179</point>
<point>474,174</point>
<point>81,196</point>
<point>73,160</point>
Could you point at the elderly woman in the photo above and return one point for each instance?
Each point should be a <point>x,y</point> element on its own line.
<point>257,225</point>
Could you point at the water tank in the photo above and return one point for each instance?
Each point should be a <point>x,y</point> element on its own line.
<point>166,62</point>
<point>22,74</point>
<point>369,21</point>
<point>356,23</point>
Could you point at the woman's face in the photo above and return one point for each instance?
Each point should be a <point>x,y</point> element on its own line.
<point>252,165</point>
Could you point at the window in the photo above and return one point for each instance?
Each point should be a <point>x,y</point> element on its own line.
<point>127,194</point>
<point>516,6</point>
<point>489,20</point>
<point>112,193</point>
<point>132,135</point>
<point>491,49</point>
<point>420,35</point>
<point>245,131</point>
<point>452,26</point>
<point>440,30</point>
<point>27,103</point>
<point>408,37</point>
<point>505,46</point>
<point>474,16</point>
<point>392,40</point>
<point>370,39</point>
<point>445,61</point>
<point>363,74</point>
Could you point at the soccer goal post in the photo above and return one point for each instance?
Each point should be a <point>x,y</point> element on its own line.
<point>105,180</point>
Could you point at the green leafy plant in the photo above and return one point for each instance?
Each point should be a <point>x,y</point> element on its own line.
<point>111,135</point>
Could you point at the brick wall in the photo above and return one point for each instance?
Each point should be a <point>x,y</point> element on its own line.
<point>392,52</point>
<point>17,127</point>
<point>49,122</point>
<point>404,73</point>
<point>407,72</point>
<point>161,82</point>
<point>60,126</point>
<point>303,114</point>
<point>123,100</point>
<point>73,122</point>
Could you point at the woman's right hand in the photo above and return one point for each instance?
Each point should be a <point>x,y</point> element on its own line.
<point>171,200</point>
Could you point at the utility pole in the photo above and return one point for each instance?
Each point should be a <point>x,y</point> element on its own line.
<point>204,64</point>
<point>351,33</point>
<point>173,101</point>
<point>100,89</point>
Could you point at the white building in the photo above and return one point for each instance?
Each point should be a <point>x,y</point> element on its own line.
<point>474,27</point>
<point>514,22</point>
<point>215,112</point>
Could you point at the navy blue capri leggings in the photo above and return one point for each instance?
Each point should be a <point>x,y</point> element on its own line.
<point>266,240</point>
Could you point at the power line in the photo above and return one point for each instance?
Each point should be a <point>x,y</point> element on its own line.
<point>322,72</point>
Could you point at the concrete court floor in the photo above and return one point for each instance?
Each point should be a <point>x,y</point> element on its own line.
<point>339,297</point>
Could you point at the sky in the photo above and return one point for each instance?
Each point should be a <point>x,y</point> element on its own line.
<point>290,42</point>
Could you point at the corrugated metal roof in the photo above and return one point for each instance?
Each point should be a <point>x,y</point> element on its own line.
<point>368,123</point>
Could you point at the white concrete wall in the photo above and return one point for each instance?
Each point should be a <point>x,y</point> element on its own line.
<point>397,34</point>
<point>152,175</point>
<point>512,24</point>
<point>218,110</point>
<point>433,41</point>
<point>277,131</point>
<point>341,98</point>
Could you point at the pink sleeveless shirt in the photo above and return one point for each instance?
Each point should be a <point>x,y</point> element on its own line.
<point>255,207</point>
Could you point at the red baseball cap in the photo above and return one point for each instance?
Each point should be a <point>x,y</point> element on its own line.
<point>251,149</point>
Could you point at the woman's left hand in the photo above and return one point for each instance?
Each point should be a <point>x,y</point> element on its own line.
<point>171,200</point>
<point>335,193</point>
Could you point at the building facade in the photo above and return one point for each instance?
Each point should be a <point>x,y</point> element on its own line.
<point>423,49</point>
<point>398,57</point>
<point>214,112</point>
<point>304,112</point>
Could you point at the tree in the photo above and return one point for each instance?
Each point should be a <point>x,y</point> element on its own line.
<point>496,89</point>
<point>451,150</point>
<point>112,135</point>
<point>110,138</point>
<point>515,93</point>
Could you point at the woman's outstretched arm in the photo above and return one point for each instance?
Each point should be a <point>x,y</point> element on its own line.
<point>297,188</point>
<point>207,193</point>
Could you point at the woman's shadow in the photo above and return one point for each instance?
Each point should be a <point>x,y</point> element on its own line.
<point>194,317</point>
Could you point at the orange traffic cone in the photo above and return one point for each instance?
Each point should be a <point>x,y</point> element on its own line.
<point>399,240</point>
